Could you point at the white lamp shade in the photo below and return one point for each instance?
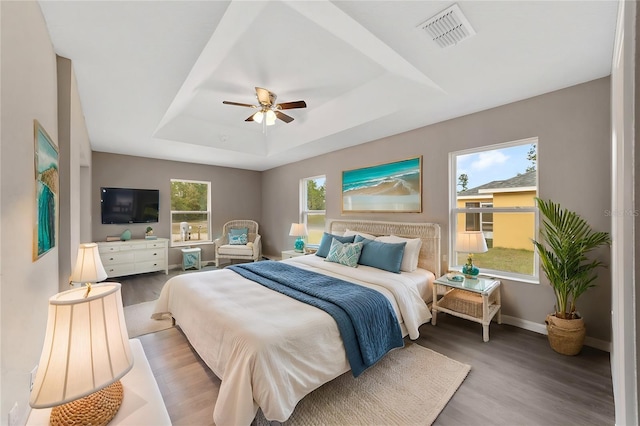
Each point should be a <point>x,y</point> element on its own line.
<point>298,230</point>
<point>257,117</point>
<point>86,346</point>
<point>471,242</point>
<point>88,267</point>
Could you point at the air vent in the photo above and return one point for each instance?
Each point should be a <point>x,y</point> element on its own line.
<point>448,27</point>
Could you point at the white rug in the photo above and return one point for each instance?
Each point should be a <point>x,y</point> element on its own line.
<point>409,386</point>
<point>139,322</point>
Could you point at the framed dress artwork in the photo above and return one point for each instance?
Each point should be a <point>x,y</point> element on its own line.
<point>46,182</point>
<point>389,187</point>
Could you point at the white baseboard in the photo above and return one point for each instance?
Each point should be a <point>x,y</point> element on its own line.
<point>541,328</point>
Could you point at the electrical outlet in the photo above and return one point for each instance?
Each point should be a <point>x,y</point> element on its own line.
<point>13,415</point>
<point>33,377</point>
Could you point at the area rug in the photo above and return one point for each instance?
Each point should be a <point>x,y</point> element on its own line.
<point>139,322</point>
<point>409,386</point>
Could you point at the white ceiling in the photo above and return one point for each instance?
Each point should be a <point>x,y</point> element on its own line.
<point>152,75</point>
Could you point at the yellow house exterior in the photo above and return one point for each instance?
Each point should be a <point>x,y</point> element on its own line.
<point>505,230</point>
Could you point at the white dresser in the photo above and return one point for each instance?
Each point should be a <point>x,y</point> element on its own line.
<point>134,256</point>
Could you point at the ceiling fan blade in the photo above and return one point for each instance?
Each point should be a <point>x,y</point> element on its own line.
<point>292,105</point>
<point>284,117</point>
<point>264,96</point>
<point>250,118</point>
<point>238,104</point>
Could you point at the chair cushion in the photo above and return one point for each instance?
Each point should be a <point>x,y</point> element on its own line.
<point>239,239</point>
<point>238,231</point>
<point>236,250</point>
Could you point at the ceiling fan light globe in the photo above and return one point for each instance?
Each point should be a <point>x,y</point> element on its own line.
<point>257,117</point>
<point>271,118</point>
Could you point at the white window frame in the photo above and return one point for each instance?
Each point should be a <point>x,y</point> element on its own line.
<point>454,211</point>
<point>304,212</point>
<point>209,240</point>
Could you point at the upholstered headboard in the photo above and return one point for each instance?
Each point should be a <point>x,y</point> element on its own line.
<point>429,233</point>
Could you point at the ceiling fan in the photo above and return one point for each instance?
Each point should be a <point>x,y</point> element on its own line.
<point>268,109</point>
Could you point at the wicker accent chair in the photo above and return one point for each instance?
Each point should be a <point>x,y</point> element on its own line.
<point>251,251</point>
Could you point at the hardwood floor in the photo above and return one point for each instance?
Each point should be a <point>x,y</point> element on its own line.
<point>515,378</point>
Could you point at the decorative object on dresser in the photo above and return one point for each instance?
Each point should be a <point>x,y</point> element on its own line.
<point>391,187</point>
<point>85,354</point>
<point>475,299</point>
<point>134,256</point>
<point>231,244</point>
<point>298,230</point>
<point>471,242</point>
<point>566,240</point>
<point>88,267</point>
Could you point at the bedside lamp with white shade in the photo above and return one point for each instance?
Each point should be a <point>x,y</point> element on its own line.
<point>471,242</point>
<point>86,349</point>
<point>298,230</point>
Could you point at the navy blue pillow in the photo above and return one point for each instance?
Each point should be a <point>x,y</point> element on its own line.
<point>386,256</point>
<point>325,243</point>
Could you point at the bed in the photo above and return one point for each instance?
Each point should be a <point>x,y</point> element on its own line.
<point>271,350</point>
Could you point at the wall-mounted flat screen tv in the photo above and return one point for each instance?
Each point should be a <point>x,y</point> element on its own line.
<point>126,205</point>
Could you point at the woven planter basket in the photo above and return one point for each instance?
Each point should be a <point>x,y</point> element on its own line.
<point>566,336</point>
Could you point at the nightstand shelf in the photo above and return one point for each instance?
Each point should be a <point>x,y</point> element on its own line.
<point>475,299</point>
<point>287,254</point>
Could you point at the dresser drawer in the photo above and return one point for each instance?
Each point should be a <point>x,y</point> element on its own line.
<point>118,270</point>
<point>117,257</point>
<point>149,266</point>
<point>157,244</point>
<point>142,256</point>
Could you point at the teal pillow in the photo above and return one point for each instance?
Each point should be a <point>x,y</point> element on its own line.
<point>239,231</point>
<point>325,243</point>
<point>386,256</point>
<point>238,240</point>
<point>344,253</point>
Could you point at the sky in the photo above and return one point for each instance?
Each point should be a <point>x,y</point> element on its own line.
<point>498,164</point>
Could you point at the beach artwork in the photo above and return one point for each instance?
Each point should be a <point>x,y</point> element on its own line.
<point>390,187</point>
<point>46,173</point>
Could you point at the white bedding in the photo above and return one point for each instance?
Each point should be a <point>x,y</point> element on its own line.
<point>268,349</point>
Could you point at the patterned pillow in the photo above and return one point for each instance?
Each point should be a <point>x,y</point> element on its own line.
<point>237,240</point>
<point>344,253</point>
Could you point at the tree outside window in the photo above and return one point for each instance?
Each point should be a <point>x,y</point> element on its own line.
<point>313,208</point>
<point>190,212</point>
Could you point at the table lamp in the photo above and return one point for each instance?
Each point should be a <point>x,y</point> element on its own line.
<point>298,230</point>
<point>471,242</point>
<point>88,267</point>
<point>86,349</point>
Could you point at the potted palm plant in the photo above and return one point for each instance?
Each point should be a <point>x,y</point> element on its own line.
<point>566,239</point>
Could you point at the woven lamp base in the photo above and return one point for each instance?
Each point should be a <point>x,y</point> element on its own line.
<point>96,409</point>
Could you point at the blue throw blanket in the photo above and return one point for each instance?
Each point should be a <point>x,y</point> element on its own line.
<point>366,320</point>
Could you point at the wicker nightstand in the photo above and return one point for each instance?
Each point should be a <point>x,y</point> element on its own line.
<point>476,299</point>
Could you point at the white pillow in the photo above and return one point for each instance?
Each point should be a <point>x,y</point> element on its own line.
<point>411,251</point>
<point>349,233</point>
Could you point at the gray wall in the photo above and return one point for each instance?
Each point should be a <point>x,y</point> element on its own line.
<point>235,194</point>
<point>573,127</point>
<point>29,90</point>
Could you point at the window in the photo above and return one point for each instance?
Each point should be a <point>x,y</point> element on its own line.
<point>190,212</point>
<point>493,191</point>
<point>312,207</point>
